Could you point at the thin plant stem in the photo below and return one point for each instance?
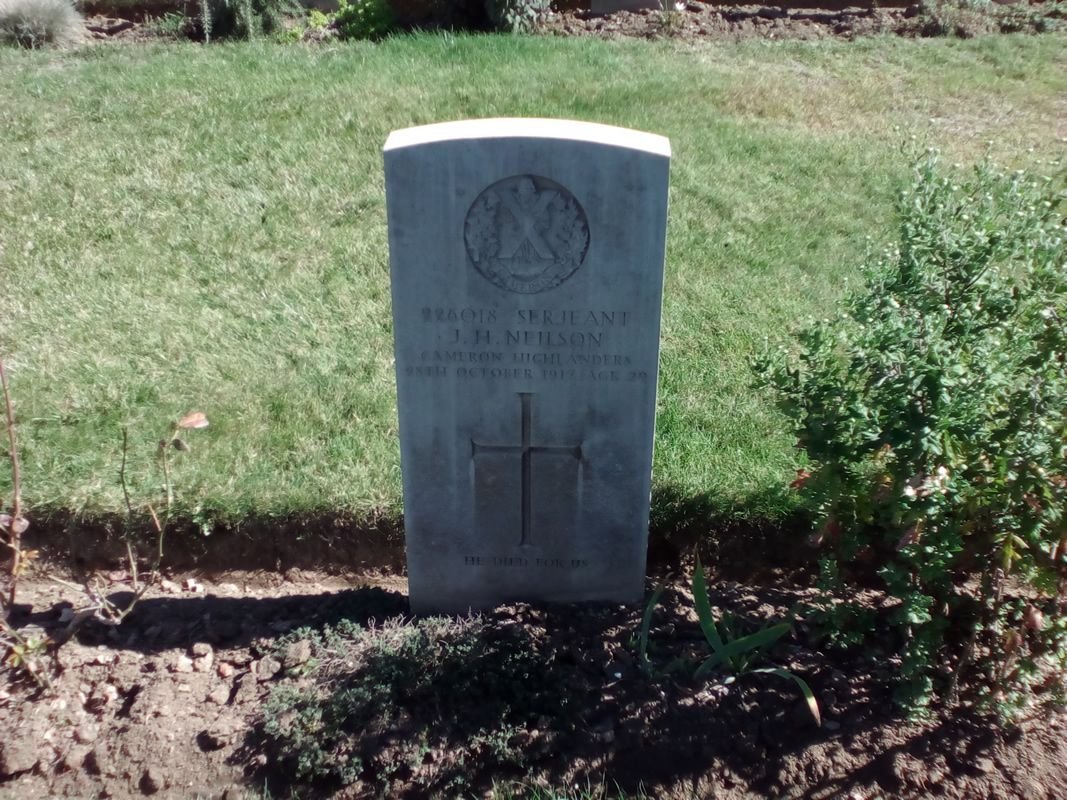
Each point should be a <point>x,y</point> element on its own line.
<point>16,486</point>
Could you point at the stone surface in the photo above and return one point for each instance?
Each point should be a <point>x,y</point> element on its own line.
<point>527,277</point>
<point>18,754</point>
<point>297,653</point>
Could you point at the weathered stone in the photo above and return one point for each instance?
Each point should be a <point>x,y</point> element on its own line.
<point>152,780</point>
<point>222,733</point>
<point>85,733</point>
<point>267,668</point>
<point>182,664</point>
<point>18,754</point>
<point>296,654</point>
<point>527,276</point>
<point>74,759</point>
<point>96,762</point>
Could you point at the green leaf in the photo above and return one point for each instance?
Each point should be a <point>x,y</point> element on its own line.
<point>809,695</point>
<point>703,607</point>
<point>744,645</point>
<point>646,624</point>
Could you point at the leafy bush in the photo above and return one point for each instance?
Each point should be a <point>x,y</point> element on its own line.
<point>517,16</point>
<point>364,19</point>
<point>171,25</point>
<point>246,18</point>
<point>37,23</point>
<point>932,412</point>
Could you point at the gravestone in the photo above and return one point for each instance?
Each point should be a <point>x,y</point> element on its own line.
<point>527,278</point>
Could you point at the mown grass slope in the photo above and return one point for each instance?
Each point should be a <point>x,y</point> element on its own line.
<point>186,227</point>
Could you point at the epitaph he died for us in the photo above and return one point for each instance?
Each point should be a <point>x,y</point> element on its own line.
<point>527,280</point>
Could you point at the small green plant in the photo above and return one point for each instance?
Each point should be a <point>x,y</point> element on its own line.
<point>246,19</point>
<point>645,629</point>
<point>931,412</point>
<point>671,17</point>
<point>171,25</point>
<point>733,653</point>
<point>318,21</point>
<point>364,19</point>
<point>960,18</point>
<point>516,16</point>
<point>39,23</point>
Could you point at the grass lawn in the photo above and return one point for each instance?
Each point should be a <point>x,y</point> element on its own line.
<point>203,228</point>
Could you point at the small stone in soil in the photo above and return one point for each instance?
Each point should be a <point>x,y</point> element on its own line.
<point>74,758</point>
<point>96,762</point>
<point>85,734</point>
<point>203,664</point>
<point>201,649</point>
<point>296,654</point>
<point>18,754</point>
<point>219,696</point>
<point>182,664</point>
<point>151,781</point>
<point>224,669</point>
<point>267,668</point>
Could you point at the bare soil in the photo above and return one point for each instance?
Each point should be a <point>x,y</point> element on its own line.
<point>700,20</point>
<point>169,704</point>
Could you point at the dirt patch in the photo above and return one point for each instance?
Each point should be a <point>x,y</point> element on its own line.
<point>705,21</point>
<point>171,704</point>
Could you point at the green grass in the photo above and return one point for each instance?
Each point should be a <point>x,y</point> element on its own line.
<point>187,227</point>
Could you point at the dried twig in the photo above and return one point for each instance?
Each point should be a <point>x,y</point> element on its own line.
<point>14,532</point>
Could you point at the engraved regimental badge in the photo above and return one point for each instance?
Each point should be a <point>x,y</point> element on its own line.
<point>526,234</point>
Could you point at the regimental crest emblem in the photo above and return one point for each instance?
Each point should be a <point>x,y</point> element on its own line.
<point>526,234</point>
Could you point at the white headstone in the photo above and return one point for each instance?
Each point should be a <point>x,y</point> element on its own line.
<point>527,279</point>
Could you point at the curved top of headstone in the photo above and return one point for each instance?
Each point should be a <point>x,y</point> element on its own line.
<point>530,128</point>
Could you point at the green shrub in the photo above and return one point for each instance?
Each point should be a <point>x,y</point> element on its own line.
<point>364,19</point>
<point>38,23</point>
<point>517,16</point>
<point>171,25</point>
<point>964,19</point>
<point>246,19</point>
<point>933,416</point>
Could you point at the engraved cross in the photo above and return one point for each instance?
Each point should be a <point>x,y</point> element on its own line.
<point>526,448</point>
<point>526,207</point>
